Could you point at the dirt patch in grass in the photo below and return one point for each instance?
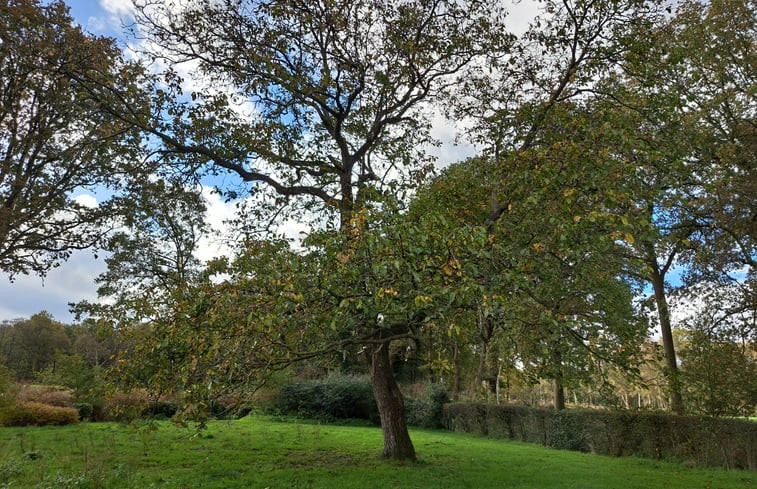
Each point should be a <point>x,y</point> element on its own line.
<point>311,459</point>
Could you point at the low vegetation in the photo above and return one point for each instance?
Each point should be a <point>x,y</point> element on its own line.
<point>701,441</point>
<point>263,452</point>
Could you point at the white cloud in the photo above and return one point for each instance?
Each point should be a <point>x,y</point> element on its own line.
<point>117,7</point>
<point>86,200</point>
<point>218,212</point>
<point>96,24</point>
<point>520,15</point>
<point>453,147</point>
<point>72,282</point>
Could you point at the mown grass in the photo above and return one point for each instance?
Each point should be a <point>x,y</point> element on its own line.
<point>259,452</point>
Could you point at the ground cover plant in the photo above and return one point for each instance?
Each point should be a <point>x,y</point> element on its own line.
<point>266,452</point>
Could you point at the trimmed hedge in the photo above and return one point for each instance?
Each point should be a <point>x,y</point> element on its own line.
<point>37,414</point>
<point>728,443</point>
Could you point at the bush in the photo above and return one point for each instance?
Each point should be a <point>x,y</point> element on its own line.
<point>335,397</point>
<point>129,406</point>
<point>728,443</point>
<point>160,409</point>
<point>37,414</point>
<point>44,394</point>
<point>85,410</point>
<point>426,412</point>
<point>125,406</point>
<point>351,396</point>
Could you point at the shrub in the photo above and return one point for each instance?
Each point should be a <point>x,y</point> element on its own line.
<point>351,396</point>
<point>37,414</point>
<point>44,394</point>
<point>163,409</point>
<point>335,397</point>
<point>728,443</point>
<point>85,410</point>
<point>426,411</point>
<point>133,405</point>
<point>125,406</point>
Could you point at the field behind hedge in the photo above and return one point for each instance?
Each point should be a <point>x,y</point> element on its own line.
<point>262,452</point>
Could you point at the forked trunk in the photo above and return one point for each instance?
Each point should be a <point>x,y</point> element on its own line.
<point>397,443</point>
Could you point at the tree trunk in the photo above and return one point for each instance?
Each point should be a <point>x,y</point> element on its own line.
<point>663,312</point>
<point>458,368</point>
<point>499,373</point>
<point>397,443</point>
<point>559,387</point>
<point>559,395</point>
<point>482,365</point>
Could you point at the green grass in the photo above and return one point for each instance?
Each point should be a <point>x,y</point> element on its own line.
<point>258,452</point>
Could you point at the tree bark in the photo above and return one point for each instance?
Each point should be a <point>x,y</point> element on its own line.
<point>559,387</point>
<point>671,364</point>
<point>559,395</point>
<point>482,365</point>
<point>458,368</point>
<point>391,407</point>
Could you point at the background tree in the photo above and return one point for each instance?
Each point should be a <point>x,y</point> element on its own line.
<point>55,139</point>
<point>687,84</point>
<point>718,355</point>
<point>153,255</point>
<point>29,346</point>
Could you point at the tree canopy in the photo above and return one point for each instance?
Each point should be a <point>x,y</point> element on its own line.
<point>56,140</point>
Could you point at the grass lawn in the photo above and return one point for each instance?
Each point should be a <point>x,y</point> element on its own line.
<point>259,452</point>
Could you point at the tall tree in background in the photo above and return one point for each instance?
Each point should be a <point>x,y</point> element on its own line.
<point>55,139</point>
<point>30,345</point>
<point>689,83</point>
<point>153,256</point>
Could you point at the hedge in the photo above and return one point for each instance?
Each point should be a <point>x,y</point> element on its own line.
<point>728,443</point>
<point>37,414</point>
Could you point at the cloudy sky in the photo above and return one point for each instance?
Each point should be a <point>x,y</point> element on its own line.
<point>73,281</point>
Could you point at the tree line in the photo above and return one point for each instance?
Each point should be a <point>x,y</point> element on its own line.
<point>617,147</point>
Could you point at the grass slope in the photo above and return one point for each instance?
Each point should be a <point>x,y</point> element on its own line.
<point>258,452</point>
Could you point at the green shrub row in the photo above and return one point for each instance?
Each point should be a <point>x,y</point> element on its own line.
<point>729,443</point>
<point>335,397</point>
<point>351,397</point>
<point>37,414</point>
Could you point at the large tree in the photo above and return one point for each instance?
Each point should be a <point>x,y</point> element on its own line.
<point>55,139</point>
<point>318,104</point>
<point>687,91</point>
